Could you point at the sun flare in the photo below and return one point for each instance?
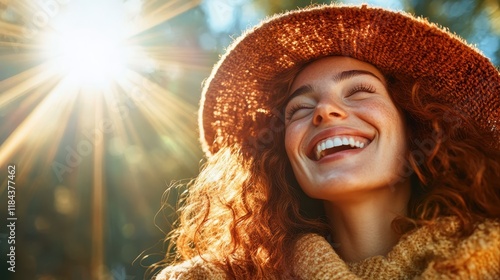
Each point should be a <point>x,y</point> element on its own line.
<point>90,102</point>
<point>89,49</point>
<point>89,58</point>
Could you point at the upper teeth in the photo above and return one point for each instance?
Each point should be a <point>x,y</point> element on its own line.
<point>336,142</point>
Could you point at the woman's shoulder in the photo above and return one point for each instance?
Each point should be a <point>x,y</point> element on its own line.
<point>195,268</point>
<point>438,251</point>
<point>484,233</point>
<point>474,256</point>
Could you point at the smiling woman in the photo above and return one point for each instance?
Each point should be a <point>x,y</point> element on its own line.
<point>335,111</point>
<point>345,143</point>
<point>348,102</point>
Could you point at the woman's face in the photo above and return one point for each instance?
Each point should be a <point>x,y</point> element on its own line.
<point>343,132</point>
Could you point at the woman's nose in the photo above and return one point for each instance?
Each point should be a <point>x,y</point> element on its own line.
<point>328,111</point>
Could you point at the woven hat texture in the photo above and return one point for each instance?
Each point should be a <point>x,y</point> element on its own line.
<point>235,107</point>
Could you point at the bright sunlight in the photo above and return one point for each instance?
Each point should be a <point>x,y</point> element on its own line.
<point>90,58</point>
<point>87,99</point>
<point>90,46</point>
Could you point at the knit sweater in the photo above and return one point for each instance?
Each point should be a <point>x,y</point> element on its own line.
<point>430,252</point>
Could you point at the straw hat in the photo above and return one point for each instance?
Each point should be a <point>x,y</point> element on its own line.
<point>235,107</point>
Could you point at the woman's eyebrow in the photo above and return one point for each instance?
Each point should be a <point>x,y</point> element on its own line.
<point>352,73</point>
<point>336,78</point>
<point>300,91</point>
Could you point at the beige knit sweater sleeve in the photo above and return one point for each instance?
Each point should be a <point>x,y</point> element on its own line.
<point>427,253</point>
<point>193,269</point>
<point>315,259</point>
<point>432,252</point>
<point>476,257</point>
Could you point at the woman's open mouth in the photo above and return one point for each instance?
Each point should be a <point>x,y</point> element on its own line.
<point>337,144</point>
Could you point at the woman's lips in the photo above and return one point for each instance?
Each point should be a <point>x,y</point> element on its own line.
<point>336,139</point>
<point>339,143</point>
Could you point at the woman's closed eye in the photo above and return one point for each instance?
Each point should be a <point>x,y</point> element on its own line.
<point>295,108</point>
<point>361,88</point>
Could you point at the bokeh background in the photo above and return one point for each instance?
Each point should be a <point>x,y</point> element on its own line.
<point>98,111</point>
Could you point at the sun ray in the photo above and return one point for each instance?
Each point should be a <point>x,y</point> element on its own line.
<point>159,108</point>
<point>21,84</point>
<point>85,128</point>
<point>98,204</point>
<point>10,29</point>
<point>156,12</point>
<point>30,137</point>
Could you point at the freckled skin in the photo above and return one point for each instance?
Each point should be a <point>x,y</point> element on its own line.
<point>359,103</point>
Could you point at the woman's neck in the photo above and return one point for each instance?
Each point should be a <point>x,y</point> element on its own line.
<point>362,226</point>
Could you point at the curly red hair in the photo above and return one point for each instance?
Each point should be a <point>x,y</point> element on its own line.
<point>244,213</point>
<point>456,167</point>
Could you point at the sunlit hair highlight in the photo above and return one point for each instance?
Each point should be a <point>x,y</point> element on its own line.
<point>243,215</point>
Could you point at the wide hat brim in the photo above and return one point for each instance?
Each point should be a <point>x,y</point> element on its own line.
<point>235,106</point>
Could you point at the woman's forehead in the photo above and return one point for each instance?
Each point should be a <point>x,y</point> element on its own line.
<point>337,68</point>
